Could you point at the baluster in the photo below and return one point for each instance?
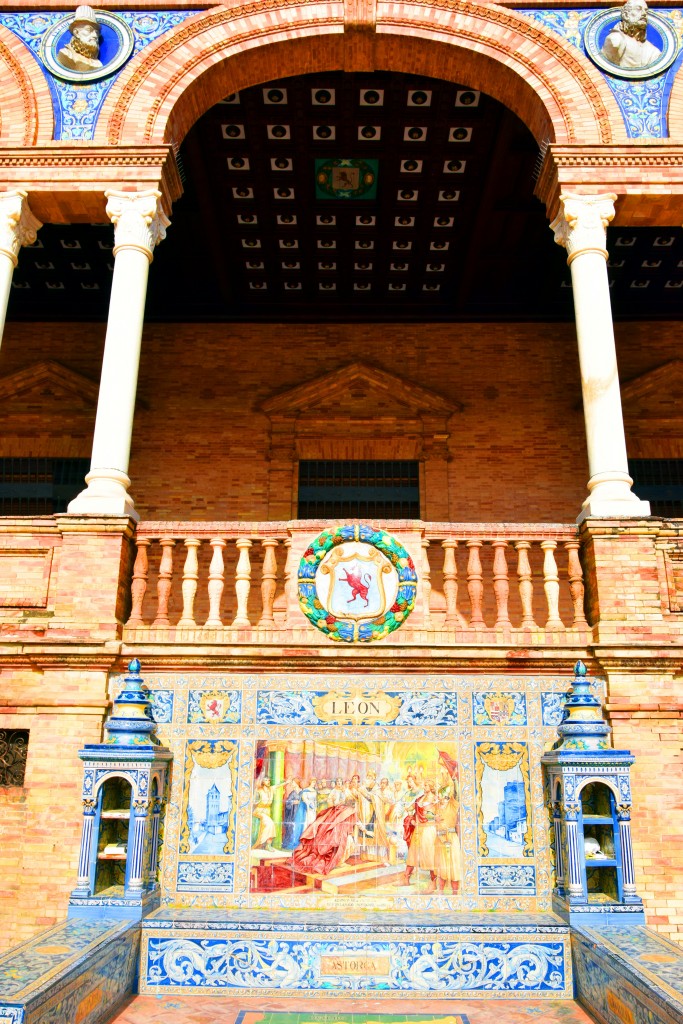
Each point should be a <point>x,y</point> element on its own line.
<point>426,585</point>
<point>575,573</point>
<point>189,587</point>
<point>551,585</point>
<point>242,582</point>
<point>268,582</point>
<point>138,586</point>
<point>165,581</point>
<point>289,580</point>
<point>475,583</point>
<point>450,581</point>
<point>216,584</point>
<point>526,587</point>
<point>501,584</point>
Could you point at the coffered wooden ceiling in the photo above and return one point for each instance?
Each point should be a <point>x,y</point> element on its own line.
<point>448,227</point>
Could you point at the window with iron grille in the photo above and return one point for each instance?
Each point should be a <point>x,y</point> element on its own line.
<point>39,487</point>
<point>659,481</point>
<point>13,751</point>
<point>358,489</point>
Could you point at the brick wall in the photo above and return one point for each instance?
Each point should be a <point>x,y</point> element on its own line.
<point>200,442</point>
<point>200,445</point>
<point>41,821</point>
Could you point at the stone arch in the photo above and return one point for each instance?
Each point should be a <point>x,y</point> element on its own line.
<point>546,81</point>
<point>26,116</point>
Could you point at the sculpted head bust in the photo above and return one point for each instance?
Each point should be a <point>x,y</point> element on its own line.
<point>82,51</point>
<point>627,45</point>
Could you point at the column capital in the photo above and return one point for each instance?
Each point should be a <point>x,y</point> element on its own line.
<point>581,224</point>
<point>18,226</point>
<point>139,220</point>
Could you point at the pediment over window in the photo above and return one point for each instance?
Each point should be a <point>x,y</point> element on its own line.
<point>357,413</point>
<point>656,394</point>
<point>47,383</point>
<point>360,392</point>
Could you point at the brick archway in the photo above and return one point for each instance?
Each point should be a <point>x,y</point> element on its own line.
<point>545,81</point>
<point>26,116</point>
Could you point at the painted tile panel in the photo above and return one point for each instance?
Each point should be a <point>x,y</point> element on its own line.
<point>378,793</point>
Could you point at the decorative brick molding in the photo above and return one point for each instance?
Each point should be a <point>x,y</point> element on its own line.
<point>66,183</point>
<point>647,177</point>
<point>550,85</point>
<point>25,103</point>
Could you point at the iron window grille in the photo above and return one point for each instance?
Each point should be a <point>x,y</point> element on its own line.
<point>39,486</point>
<point>13,751</point>
<point>659,481</point>
<point>358,489</point>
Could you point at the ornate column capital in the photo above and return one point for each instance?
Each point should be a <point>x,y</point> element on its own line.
<point>581,224</point>
<point>139,220</point>
<point>18,226</point>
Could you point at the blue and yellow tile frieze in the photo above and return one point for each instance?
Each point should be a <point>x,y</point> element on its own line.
<point>258,758</point>
<point>304,955</point>
<point>77,105</point>
<point>643,102</point>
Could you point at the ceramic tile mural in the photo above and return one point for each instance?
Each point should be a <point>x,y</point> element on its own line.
<point>346,817</point>
<point>395,792</point>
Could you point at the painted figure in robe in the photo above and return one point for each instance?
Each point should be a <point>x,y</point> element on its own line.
<point>420,834</point>
<point>263,803</point>
<point>447,858</point>
<point>292,803</point>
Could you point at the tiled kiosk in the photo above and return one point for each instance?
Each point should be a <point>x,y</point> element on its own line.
<point>347,834</point>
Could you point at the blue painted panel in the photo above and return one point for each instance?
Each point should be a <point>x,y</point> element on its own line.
<point>162,706</point>
<point>507,879</point>
<point>277,707</point>
<point>259,963</point>
<point>202,876</point>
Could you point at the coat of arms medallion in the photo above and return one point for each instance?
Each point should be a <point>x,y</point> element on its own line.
<point>356,583</point>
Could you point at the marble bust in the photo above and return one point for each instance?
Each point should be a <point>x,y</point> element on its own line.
<point>82,51</point>
<point>627,45</point>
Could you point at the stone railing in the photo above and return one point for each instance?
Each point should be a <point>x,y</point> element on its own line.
<point>237,583</point>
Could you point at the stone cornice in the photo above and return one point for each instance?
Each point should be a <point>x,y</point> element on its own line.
<point>67,182</point>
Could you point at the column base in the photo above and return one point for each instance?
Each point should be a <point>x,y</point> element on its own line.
<point>611,497</point>
<point>105,495</point>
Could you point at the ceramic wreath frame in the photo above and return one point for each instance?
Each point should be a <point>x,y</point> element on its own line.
<point>346,630</point>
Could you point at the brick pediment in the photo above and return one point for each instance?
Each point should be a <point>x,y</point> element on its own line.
<point>45,383</point>
<point>656,394</point>
<point>361,392</point>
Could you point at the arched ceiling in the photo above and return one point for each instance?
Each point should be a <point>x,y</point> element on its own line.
<point>448,227</point>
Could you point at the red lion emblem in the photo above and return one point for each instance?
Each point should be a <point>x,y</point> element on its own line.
<point>358,587</point>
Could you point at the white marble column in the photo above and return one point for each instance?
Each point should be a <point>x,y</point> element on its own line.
<point>139,224</point>
<point>18,227</point>
<point>581,228</point>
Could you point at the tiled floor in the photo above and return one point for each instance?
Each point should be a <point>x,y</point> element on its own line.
<point>225,1010</point>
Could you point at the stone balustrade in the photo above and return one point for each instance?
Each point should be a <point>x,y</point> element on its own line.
<point>237,582</point>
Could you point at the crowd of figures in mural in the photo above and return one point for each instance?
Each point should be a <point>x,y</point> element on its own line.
<point>351,817</point>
